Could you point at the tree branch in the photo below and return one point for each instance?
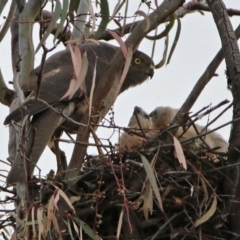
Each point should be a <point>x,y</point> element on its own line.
<point>79,22</point>
<point>2,5</point>
<point>26,50</point>
<point>232,58</point>
<point>115,71</point>
<point>202,82</point>
<point>198,6</point>
<point>7,23</point>
<point>179,13</point>
<point>6,95</point>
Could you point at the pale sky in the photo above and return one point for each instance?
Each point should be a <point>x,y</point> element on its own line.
<point>198,44</point>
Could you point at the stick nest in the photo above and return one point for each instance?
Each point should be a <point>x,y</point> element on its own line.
<point>143,194</point>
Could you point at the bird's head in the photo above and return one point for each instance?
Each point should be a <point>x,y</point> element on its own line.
<point>162,116</point>
<point>142,67</point>
<point>140,117</point>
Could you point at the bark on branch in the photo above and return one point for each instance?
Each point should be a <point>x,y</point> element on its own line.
<point>232,58</point>
<point>115,70</point>
<point>202,82</point>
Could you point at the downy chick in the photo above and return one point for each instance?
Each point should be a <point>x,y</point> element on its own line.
<point>140,123</point>
<point>161,118</point>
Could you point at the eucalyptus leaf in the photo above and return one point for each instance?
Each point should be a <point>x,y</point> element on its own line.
<point>57,12</point>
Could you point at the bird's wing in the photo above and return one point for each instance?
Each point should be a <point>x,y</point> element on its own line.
<point>56,79</point>
<point>41,130</point>
<point>57,75</point>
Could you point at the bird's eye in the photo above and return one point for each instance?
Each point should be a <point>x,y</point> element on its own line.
<point>137,60</point>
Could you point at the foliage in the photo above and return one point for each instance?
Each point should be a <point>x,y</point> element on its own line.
<point>136,194</point>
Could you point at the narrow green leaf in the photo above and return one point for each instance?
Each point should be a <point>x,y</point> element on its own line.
<point>175,40</point>
<point>56,14</point>
<point>90,8</point>
<point>119,227</point>
<point>205,217</point>
<point>117,9</point>
<point>125,14</point>
<point>105,19</point>
<point>69,229</point>
<point>86,229</point>
<point>154,45</point>
<point>147,206</point>
<point>163,60</point>
<point>179,153</point>
<point>63,18</point>
<point>145,17</point>
<point>74,5</point>
<point>92,88</point>
<point>152,179</point>
<point>165,32</point>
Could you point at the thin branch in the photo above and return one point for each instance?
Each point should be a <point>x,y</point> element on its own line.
<point>7,23</point>
<point>181,12</point>
<point>2,5</point>
<point>219,115</point>
<point>6,95</point>
<point>26,50</point>
<point>232,58</point>
<point>198,6</point>
<point>79,22</point>
<point>84,143</point>
<point>202,82</point>
<point>115,71</point>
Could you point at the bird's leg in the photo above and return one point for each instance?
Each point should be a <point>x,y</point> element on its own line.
<point>60,155</point>
<point>79,151</point>
<point>97,141</point>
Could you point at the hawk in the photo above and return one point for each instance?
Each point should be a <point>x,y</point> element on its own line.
<point>57,75</point>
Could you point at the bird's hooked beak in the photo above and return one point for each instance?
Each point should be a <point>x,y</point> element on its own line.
<point>138,110</point>
<point>150,71</point>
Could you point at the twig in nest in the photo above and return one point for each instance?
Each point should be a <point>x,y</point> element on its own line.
<point>211,109</point>
<point>219,115</point>
<point>83,143</point>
